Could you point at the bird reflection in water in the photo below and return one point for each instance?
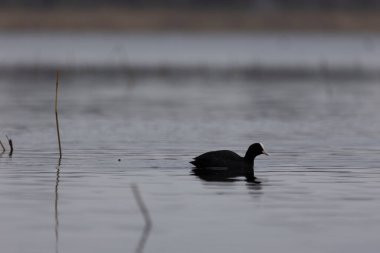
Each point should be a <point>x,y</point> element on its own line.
<point>253,185</point>
<point>223,176</point>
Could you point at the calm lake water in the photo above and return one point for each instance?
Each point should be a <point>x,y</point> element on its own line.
<point>320,188</point>
<point>302,50</point>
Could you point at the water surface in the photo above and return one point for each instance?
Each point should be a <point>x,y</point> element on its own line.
<point>265,49</point>
<point>320,184</point>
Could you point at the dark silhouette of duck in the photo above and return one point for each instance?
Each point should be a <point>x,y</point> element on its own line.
<point>225,164</point>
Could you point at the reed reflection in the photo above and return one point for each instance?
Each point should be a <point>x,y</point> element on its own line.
<point>56,217</point>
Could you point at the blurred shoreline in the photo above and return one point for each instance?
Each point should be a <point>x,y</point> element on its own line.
<point>185,54</point>
<point>253,72</point>
<point>119,19</point>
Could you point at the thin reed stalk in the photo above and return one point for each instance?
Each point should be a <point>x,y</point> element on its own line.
<point>56,114</point>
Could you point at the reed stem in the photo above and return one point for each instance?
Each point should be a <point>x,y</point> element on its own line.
<point>56,114</point>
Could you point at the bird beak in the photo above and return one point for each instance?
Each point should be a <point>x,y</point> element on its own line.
<point>264,152</point>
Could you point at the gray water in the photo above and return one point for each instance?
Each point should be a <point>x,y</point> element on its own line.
<point>320,185</point>
<point>86,49</point>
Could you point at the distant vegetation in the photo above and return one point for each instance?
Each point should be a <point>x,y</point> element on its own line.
<point>201,4</point>
<point>199,15</point>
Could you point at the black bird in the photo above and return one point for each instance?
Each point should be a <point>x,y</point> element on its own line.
<point>224,164</point>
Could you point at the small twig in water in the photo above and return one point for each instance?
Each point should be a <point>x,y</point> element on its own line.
<point>142,206</point>
<point>2,146</point>
<point>145,213</point>
<point>56,114</point>
<point>10,145</point>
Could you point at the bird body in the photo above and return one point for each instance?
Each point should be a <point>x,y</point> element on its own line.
<point>227,164</point>
<point>220,158</point>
